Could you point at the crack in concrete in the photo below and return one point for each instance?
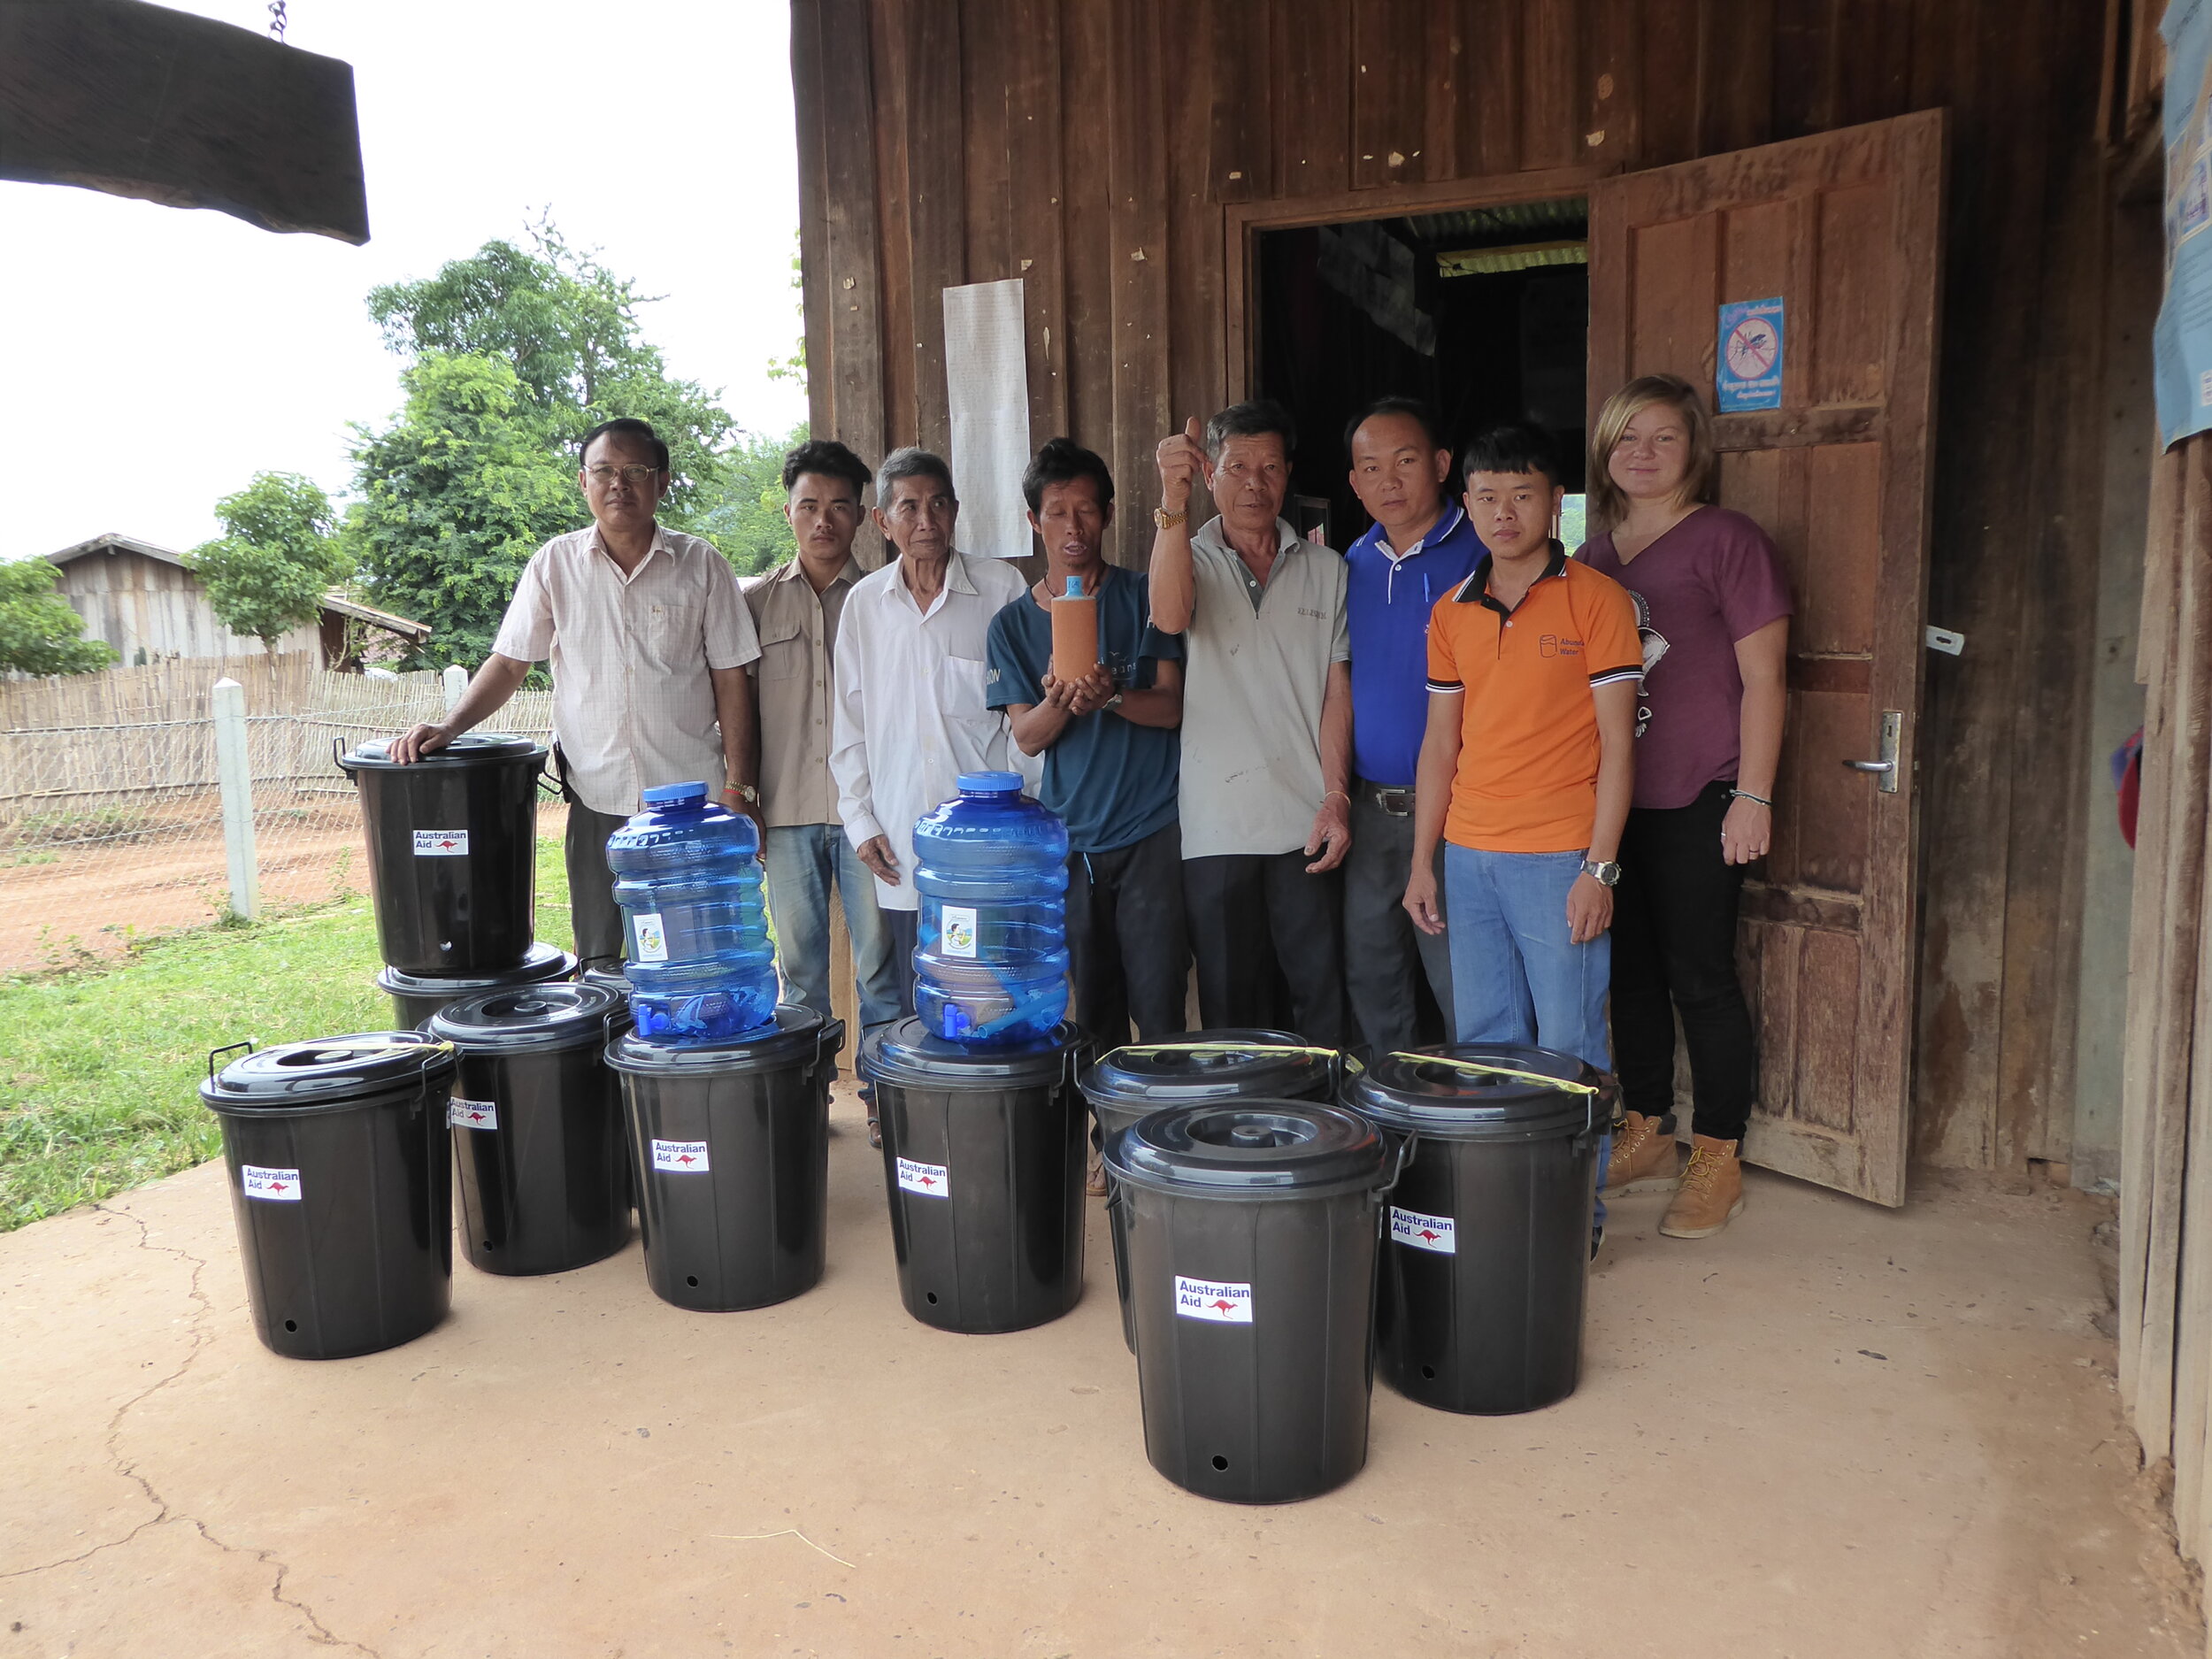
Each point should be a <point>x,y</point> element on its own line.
<point>318,1632</point>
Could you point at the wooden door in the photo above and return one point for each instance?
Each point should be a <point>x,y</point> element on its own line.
<point>1846,229</point>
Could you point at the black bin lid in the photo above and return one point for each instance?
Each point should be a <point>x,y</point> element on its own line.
<point>907,1056</point>
<point>544,962</point>
<point>1209,1065</point>
<point>328,1073</point>
<point>1250,1149</point>
<point>470,748</point>
<point>800,1034</point>
<point>1532,1094</point>
<point>529,1018</point>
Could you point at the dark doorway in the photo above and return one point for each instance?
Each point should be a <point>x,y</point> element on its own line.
<point>1484,313</point>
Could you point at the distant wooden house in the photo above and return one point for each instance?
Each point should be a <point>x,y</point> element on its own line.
<point>145,601</point>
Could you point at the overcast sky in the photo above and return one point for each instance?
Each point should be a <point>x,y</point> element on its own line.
<point>154,359</point>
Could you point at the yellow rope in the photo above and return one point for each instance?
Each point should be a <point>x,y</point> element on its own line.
<point>1220,1047</point>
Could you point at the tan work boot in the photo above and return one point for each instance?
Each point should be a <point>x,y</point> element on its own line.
<point>1644,1157</point>
<point>1711,1194</point>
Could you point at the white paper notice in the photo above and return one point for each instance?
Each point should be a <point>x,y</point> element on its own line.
<point>929,1180</point>
<point>1423,1233</point>
<point>681,1157</point>
<point>1222,1302</point>
<point>986,388</point>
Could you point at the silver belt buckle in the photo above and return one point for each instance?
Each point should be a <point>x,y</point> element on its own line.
<point>1397,803</point>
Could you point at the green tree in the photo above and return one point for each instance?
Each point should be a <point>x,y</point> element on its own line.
<point>744,518</point>
<point>39,633</point>
<point>568,326</point>
<point>278,555</point>
<point>454,497</point>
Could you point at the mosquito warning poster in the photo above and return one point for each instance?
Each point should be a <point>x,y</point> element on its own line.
<point>1747,366</point>
<point>2182,344</point>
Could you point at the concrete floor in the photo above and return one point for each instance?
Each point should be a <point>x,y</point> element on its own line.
<point>1832,1431</point>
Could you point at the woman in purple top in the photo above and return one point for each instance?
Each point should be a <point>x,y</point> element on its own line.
<point>1714,608</point>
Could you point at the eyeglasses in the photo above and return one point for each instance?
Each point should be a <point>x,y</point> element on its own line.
<point>636,476</point>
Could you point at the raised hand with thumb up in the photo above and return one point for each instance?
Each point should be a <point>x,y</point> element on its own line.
<point>1182,460</point>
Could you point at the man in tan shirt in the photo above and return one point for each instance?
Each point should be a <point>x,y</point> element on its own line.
<point>795,609</point>
<point>648,637</point>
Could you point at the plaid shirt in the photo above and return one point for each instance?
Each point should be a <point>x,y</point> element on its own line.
<point>632,699</point>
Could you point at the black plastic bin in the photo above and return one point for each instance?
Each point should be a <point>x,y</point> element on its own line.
<point>1481,1298</point>
<point>983,1156</point>
<point>729,1149</point>
<point>452,852</point>
<point>1251,1231</point>
<point>416,997</point>
<point>536,1115</point>
<point>337,1157</point>
<point>1202,1068</point>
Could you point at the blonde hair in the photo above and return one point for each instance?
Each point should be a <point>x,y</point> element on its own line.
<point>1609,503</point>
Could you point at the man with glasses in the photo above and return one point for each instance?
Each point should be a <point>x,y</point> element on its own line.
<point>648,637</point>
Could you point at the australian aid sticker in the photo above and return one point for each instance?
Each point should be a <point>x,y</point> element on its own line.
<point>472,1114</point>
<point>441,843</point>
<point>926,1178</point>
<point>1423,1232</point>
<point>648,937</point>
<point>684,1157</point>
<point>277,1185</point>
<point>1205,1299</point>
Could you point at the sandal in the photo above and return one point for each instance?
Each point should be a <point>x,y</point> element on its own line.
<point>875,1134</point>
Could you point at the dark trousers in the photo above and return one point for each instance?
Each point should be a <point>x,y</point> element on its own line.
<point>905,928</point>
<point>1254,917</point>
<point>1385,956</point>
<point>1674,950</point>
<point>1127,949</point>
<point>592,911</point>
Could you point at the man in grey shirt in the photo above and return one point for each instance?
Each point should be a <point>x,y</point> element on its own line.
<point>1267,726</point>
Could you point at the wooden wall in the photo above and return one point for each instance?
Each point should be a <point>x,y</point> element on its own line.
<point>138,604</point>
<point>1099,149</point>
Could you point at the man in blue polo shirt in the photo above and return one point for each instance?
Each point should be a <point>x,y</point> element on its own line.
<point>1112,755</point>
<point>1420,548</point>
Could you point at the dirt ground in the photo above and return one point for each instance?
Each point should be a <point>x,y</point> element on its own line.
<point>1834,1432</point>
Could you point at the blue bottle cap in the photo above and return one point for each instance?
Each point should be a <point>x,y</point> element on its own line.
<point>675,794</point>
<point>1075,588</point>
<point>990,783</point>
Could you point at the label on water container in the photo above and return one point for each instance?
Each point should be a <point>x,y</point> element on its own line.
<point>648,940</point>
<point>683,1157</point>
<point>441,843</point>
<point>928,1179</point>
<point>277,1185</point>
<point>957,933</point>
<point>472,1114</point>
<point>1423,1232</point>
<point>1209,1299</point>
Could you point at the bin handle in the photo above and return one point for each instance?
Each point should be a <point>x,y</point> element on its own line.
<point>1406,1147</point>
<point>1487,1069</point>
<point>338,754</point>
<point>228,1047</point>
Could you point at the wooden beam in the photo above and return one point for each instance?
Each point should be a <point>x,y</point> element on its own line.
<point>140,101</point>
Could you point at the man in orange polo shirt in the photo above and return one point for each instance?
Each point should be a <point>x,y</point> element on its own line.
<point>1526,765</point>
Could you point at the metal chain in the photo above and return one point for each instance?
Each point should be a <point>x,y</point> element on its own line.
<point>277,19</point>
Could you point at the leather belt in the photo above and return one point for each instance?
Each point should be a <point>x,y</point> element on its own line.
<point>1397,803</point>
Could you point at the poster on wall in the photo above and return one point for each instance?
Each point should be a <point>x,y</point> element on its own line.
<point>1747,365</point>
<point>2182,343</point>
<point>986,394</point>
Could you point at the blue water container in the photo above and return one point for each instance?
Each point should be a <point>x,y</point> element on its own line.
<point>991,960</point>
<point>700,968</point>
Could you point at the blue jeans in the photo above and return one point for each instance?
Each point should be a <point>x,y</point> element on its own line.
<point>803,860</point>
<point>1516,975</point>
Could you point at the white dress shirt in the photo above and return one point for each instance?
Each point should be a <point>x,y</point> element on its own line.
<point>632,699</point>
<point>910,716</point>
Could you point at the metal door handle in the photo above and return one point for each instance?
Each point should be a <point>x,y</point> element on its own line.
<point>1884,770</point>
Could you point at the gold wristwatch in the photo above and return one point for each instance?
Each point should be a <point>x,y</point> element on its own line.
<point>1168,520</point>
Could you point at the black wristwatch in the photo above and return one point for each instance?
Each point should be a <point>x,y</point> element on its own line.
<point>1607,874</point>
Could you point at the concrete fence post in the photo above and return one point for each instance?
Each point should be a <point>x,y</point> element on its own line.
<point>457,681</point>
<point>233,767</point>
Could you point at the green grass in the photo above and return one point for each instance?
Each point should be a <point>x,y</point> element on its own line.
<point>98,1084</point>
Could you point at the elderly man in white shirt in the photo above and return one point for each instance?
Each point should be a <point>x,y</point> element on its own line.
<point>910,715</point>
<point>648,636</point>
